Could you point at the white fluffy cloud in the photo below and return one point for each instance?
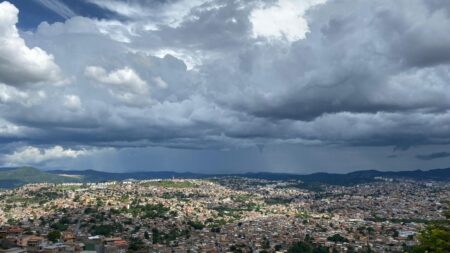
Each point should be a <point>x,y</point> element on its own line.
<point>283,19</point>
<point>30,155</point>
<point>125,78</point>
<point>10,130</point>
<point>123,84</point>
<point>12,95</point>
<point>19,64</point>
<point>72,102</point>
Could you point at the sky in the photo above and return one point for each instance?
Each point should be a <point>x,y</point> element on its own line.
<point>225,86</point>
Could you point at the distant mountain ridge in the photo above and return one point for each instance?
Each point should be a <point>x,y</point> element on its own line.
<point>13,177</point>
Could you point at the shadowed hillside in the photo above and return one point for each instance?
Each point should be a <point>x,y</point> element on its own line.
<point>13,177</point>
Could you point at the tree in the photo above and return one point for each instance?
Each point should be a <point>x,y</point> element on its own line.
<point>337,238</point>
<point>307,247</point>
<point>105,230</point>
<point>396,234</point>
<point>278,247</point>
<point>351,250</point>
<point>12,222</point>
<point>59,226</point>
<point>136,244</point>
<point>320,249</point>
<point>266,243</point>
<point>435,238</point>
<point>196,225</point>
<point>156,236</point>
<point>54,236</point>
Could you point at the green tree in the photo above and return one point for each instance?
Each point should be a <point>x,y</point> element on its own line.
<point>196,225</point>
<point>135,245</point>
<point>266,243</point>
<point>12,222</point>
<point>156,236</point>
<point>396,234</point>
<point>300,247</point>
<point>435,238</point>
<point>307,247</point>
<point>337,238</point>
<point>54,236</point>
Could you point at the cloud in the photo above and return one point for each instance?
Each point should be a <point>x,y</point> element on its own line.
<point>432,156</point>
<point>9,130</point>
<point>14,96</point>
<point>120,7</point>
<point>125,78</point>
<point>358,78</point>
<point>283,19</point>
<point>58,7</point>
<point>32,155</point>
<point>9,94</point>
<point>19,64</point>
<point>342,66</point>
<point>72,102</point>
<point>160,83</point>
<point>123,84</point>
<point>156,13</point>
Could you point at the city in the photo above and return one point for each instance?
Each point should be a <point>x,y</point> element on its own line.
<point>224,126</point>
<point>229,214</point>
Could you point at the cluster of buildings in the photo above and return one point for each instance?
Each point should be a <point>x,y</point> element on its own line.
<point>216,215</point>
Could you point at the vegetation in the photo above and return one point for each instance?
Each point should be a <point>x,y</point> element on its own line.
<point>196,225</point>
<point>14,177</point>
<point>435,238</point>
<point>136,244</point>
<point>59,226</point>
<point>379,219</point>
<point>24,175</point>
<point>149,211</point>
<point>170,184</point>
<point>307,247</point>
<point>337,238</point>
<point>106,230</point>
<point>172,235</point>
<point>54,235</point>
<point>277,201</point>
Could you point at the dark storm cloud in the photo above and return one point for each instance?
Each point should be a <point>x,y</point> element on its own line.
<point>433,156</point>
<point>350,63</point>
<point>197,75</point>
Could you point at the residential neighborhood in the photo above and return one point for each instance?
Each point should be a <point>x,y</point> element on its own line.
<point>229,214</point>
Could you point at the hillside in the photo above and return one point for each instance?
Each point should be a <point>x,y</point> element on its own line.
<point>13,177</point>
<point>98,176</point>
<point>356,177</point>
